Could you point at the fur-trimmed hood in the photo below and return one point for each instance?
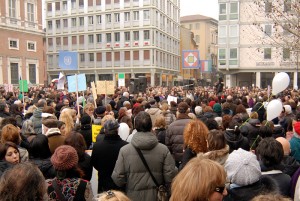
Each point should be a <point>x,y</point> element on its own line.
<point>219,156</point>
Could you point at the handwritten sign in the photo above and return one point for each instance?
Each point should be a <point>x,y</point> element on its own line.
<point>95,131</point>
<point>105,87</point>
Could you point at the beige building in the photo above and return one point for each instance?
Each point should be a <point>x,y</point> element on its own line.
<point>135,37</point>
<point>251,48</point>
<point>205,30</point>
<point>22,48</point>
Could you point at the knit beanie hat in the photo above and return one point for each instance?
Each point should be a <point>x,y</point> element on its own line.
<point>242,168</point>
<point>297,127</point>
<point>64,158</point>
<point>217,108</point>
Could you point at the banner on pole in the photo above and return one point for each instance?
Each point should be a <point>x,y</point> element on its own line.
<point>61,81</point>
<point>190,59</point>
<point>81,83</point>
<point>105,87</point>
<point>68,60</point>
<point>23,85</point>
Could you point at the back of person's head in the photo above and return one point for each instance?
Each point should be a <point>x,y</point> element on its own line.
<point>8,120</point>
<point>24,181</point>
<point>198,110</point>
<point>48,109</point>
<point>265,131</point>
<point>164,107</point>
<point>10,133</point>
<point>271,197</point>
<point>186,185</point>
<point>285,145</point>
<point>211,124</point>
<point>160,122</point>
<point>269,152</point>
<point>111,127</point>
<point>226,119</point>
<point>216,140</point>
<point>183,107</point>
<point>39,148</point>
<point>50,123</point>
<point>142,122</point>
<point>41,103</point>
<point>77,141</point>
<point>112,195</point>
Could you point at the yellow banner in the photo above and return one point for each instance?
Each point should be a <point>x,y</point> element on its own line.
<point>95,131</point>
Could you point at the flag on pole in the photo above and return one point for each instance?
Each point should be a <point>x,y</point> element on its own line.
<point>61,81</point>
<point>206,66</point>
<point>68,60</point>
<point>23,85</point>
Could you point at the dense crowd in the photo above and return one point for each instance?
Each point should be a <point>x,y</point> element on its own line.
<point>167,143</point>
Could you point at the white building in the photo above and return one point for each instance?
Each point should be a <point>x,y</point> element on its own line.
<point>251,48</point>
<point>135,37</point>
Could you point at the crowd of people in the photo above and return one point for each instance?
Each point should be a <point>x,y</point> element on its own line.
<point>204,143</point>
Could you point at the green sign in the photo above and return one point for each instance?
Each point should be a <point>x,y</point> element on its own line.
<point>23,85</point>
<point>121,76</point>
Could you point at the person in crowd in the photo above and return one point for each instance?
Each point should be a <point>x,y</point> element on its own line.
<point>186,185</point>
<point>37,116</point>
<point>67,118</point>
<point>77,141</point>
<point>39,154</point>
<point>28,130</point>
<point>295,142</point>
<point>270,154</point>
<point>124,98</point>
<point>4,110</point>
<point>105,154</point>
<point>100,113</point>
<point>174,135</point>
<point>68,183</point>
<point>12,134</point>
<point>245,177</point>
<point>250,129</point>
<point>131,173</point>
<point>208,113</point>
<point>89,109</point>
<point>23,182</point>
<point>168,115</point>
<point>100,137</point>
<point>61,126</point>
<point>86,129</point>
<point>271,197</point>
<point>160,129</point>
<point>232,105</point>
<point>9,156</point>
<point>240,109</point>
<point>112,195</point>
<point>15,112</point>
<point>52,132</point>
<point>153,111</point>
<point>217,109</point>
<point>195,140</point>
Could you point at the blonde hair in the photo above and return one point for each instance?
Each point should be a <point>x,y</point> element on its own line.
<point>88,106</point>
<point>195,136</point>
<point>271,197</point>
<point>164,107</point>
<point>160,122</point>
<point>112,195</point>
<point>198,180</point>
<point>66,117</point>
<point>105,118</point>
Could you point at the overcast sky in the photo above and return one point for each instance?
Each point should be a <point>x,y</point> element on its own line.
<point>203,7</point>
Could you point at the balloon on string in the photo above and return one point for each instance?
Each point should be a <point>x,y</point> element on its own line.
<point>274,109</point>
<point>280,82</point>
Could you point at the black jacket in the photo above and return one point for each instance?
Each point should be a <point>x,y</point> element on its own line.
<point>236,141</point>
<point>45,166</point>
<point>86,132</point>
<point>4,166</point>
<point>104,156</point>
<point>85,165</point>
<point>290,165</point>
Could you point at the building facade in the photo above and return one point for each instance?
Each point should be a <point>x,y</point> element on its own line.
<point>135,37</point>
<point>22,36</point>
<point>252,45</point>
<point>205,31</point>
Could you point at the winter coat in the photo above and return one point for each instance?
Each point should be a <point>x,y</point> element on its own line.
<point>246,193</point>
<point>4,114</point>
<point>161,135</point>
<point>260,109</point>
<point>103,159</point>
<point>36,119</point>
<point>24,155</point>
<point>174,136</point>
<point>295,147</point>
<point>169,117</point>
<point>55,139</point>
<point>84,164</point>
<point>86,132</point>
<point>290,165</point>
<point>45,167</point>
<point>121,101</point>
<point>130,171</point>
<point>4,165</point>
<point>154,112</point>
<point>250,130</point>
<point>220,156</point>
<point>236,141</point>
<point>188,154</point>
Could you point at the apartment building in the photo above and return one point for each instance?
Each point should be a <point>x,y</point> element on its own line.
<point>205,32</point>
<point>135,37</point>
<point>252,48</point>
<point>22,38</point>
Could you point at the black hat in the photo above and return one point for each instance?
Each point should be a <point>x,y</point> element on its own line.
<point>85,119</point>
<point>100,110</point>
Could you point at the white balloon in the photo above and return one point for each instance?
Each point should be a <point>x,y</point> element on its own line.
<point>274,109</point>
<point>280,82</point>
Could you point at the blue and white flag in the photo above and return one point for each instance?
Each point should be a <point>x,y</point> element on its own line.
<point>68,60</point>
<point>80,83</point>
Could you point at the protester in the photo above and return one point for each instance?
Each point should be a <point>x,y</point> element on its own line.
<point>9,156</point>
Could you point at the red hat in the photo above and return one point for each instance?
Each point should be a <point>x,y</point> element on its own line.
<point>64,158</point>
<point>211,103</point>
<point>297,127</point>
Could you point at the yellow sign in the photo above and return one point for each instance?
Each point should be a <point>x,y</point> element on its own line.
<point>95,131</point>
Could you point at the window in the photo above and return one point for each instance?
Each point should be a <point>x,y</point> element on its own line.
<point>31,46</point>
<point>98,2</point>
<point>286,54</point>
<point>108,37</point>
<point>65,41</point>
<point>117,37</point>
<point>58,41</point>
<point>30,12</point>
<point>136,55</point>
<point>99,19</point>
<point>57,6</point>
<point>117,17</point>
<point>233,33</point>
<point>146,35</point>
<point>81,39</point>
<point>32,73</point>
<point>146,14</point>
<point>127,16</point>
<point>268,29</point>
<point>135,35</point>
<point>14,73</point>
<point>12,8</point>
<point>91,20</point>
<point>13,44</point>
<point>127,36</point>
<point>287,6</point>
<point>91,56</point>
<point>50,60</point>
<point>65,22</point>
<point>90,3</point>
<point>73,4</point>
<point>267,53</point>
<point>99,38</point>
<point>74,40</point>
<point>49,7</point>
<point>81,21</point>
<point>197,39</point>
<point>81,4</point>
<point>108,18</point>
<point>147,54</point>
<point>65,5</point>
<point>99,56</point>
<point>268,6</point>
<point>91,39</point>
<point>136,15</point>
<point>50,42</point>
<point>234,11</point>
<point>222,56</point>
<point>107,1</point>
<point>82,57</point>
<point>74,24</point>
<point>190,26</point>
<point>233,56</point>
<point>57,22</point>
<point>197,25</point>
<point>222,11</point>
<point>50,25</point>
<point>222,34</point>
